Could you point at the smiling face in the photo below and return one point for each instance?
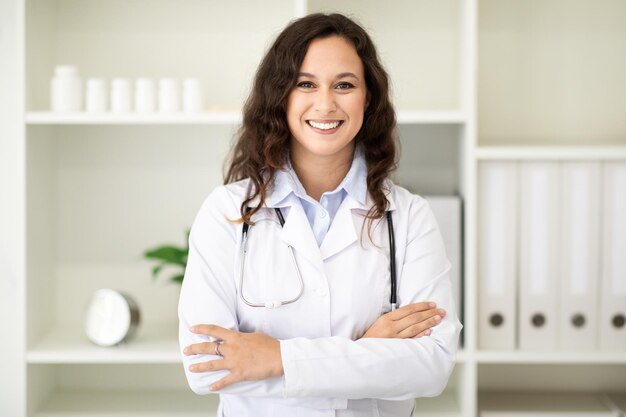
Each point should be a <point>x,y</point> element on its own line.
<point>325,109</point>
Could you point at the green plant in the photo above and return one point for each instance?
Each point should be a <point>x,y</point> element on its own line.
<point>169,255</point>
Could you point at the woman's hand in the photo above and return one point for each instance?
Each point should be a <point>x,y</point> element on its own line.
<point>248,356</point>
<point>410,321</point>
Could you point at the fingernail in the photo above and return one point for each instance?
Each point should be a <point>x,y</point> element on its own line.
<point>431,305</point>
<point>441,311</point>
<point>427,332</point>
<point>193,329</point>
<point>437,318</point>
<point>212,388</point>
<point>186,350</point>
<point>192,368</point>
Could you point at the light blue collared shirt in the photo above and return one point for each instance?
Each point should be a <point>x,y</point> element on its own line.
<point>321,213</point>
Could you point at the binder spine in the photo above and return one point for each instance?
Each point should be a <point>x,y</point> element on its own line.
<point>497,248</point>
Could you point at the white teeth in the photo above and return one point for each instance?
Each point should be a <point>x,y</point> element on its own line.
<point>324,126</point>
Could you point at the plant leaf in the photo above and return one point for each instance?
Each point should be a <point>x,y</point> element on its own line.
<point>178,278</point>
<point>168,254</point>
<point>157,269</point>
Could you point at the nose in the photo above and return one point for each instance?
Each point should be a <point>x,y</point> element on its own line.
<point>325,102</point>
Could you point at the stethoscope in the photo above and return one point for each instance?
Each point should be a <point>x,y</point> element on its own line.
<point>276,304</point>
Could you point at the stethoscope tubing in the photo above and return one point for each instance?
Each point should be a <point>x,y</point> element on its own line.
<point>276,304</point>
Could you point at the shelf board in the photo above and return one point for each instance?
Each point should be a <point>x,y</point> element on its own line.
<point>151,344</point>
<point>144,403</point>
<point>430,117</point>
<point>461,356</point>
<point>573,358</point>
<point>589,152</point>
<point>69,345</point>
<point>138,403</point>
<point>82,118</point>
<point>556,404</point>
<point>205,118</point>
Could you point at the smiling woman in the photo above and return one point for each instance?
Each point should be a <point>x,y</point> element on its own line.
<point>307,177</point>
<point>325,110</point>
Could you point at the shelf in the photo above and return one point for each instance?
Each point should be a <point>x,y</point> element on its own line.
<point>69,345</point>
<point>205,118</point>
<point>592,358</point>
<point>135,403</point>
<point>82,118</point>
<point>551,152</point>
<point>557,404</point>
<point>430,117</point>
<point>461,356</point>
<point>151,344</point>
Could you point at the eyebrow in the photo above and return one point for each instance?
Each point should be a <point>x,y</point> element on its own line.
<point>340,75</point>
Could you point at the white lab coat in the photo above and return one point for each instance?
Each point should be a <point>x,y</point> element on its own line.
<point>328,370</point>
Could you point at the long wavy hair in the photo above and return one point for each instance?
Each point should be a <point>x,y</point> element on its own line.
<point>262,143</point>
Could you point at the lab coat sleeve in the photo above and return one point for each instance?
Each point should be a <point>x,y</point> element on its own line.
<point>392,369</point>
<point>208,293</point>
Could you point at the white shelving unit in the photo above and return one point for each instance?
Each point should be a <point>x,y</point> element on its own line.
<point>84,195</point>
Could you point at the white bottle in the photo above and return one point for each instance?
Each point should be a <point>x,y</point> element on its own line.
<point>96,97</point>
<point>65,90</point>
<point>121,96</point>
<point>192,95</point>
<point>169,97</point>
<point>145,96</point>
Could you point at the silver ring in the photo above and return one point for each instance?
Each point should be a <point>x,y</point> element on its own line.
<point>217,349</point>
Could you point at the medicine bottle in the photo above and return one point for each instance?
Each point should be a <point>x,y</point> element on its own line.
<point>145,96</point>
<point>120,96</point>
<point>192,95</point>
<point>96,97</point>
<point>169,97</point>
<point>65,90</point>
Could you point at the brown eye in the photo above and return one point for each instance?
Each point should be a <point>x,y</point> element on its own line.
<point>305,84</point>
<point>344,86</point>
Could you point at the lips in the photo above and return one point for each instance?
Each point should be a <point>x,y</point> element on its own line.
<point>325,125</point>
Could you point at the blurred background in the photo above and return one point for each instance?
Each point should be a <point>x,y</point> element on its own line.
<point>116,117</point>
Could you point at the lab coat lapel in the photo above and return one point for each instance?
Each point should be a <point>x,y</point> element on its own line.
<point>297,233</point>
<point>342,232</point>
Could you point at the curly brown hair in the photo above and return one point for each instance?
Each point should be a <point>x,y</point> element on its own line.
<point>262,142</point>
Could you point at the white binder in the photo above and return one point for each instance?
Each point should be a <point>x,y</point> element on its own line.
<point>613,298</point>
<point>580,264</point>
<point>447,211</point>
<point>497,247</point>
<point>539,258</point>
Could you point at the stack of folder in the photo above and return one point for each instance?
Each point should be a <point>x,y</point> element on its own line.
<point>552,255</point>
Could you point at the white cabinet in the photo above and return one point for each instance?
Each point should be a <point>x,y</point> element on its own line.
<point>84,195</point>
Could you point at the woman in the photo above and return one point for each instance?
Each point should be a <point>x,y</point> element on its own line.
<point>297,320</point>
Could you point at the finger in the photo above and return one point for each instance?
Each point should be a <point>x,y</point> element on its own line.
<point>415,329</point>
<point>200,348</point>
<point>210,366</point>
<point>415,318</point>
<point>224,382</point>
<point>212,330</point>
<point>411,309</point>
<point>426,332</point>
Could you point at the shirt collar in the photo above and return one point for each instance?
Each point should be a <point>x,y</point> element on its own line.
<point>286,183</point>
